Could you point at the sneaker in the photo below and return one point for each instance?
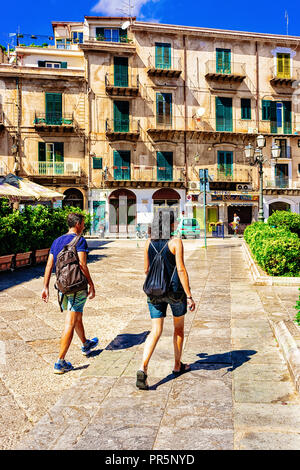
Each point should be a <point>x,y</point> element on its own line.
<point>90,344</point>
<point>60,368</point>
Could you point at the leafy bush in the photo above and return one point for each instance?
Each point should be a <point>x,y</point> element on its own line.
<point>287,219</point>
<point>34,228</point>
<point>276,250</point>
<point>5,207</point>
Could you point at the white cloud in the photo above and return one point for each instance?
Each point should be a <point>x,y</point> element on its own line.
<point>113,7</point>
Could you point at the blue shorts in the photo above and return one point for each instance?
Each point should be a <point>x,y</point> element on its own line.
<point>159,309</point>
<point>74,304</point>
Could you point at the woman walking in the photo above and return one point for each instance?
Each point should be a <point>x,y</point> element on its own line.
<point>178,297</point>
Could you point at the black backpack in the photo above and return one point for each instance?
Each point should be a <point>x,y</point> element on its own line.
<point>69,277</point>
<point>157,281</point>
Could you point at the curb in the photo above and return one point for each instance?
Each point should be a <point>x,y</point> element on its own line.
<point>260,278</point>
<point>288,337</point>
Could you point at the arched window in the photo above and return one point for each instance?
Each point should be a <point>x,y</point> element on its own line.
<point>73,197</point>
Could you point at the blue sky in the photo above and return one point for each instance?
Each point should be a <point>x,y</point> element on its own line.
<point>268,17</point>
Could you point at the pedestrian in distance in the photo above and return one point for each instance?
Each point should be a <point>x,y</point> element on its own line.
<point>72,303</point>
<point>178,293</point>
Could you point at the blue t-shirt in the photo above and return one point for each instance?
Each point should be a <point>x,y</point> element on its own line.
<point>62,241</point>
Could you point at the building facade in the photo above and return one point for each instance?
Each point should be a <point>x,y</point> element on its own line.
<point>121,116</point>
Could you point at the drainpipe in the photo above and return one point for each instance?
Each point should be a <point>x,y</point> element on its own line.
<point>17,164</point>
<point>257,86</point>
<point>185,111</point>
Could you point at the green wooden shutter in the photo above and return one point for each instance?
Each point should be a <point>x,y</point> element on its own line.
<point>121,165</point>
<point>225,164</point>
<point>287,117</point>
<point>97,163</point>
<point>121,71</point>
<point>223,114</point>
<point>41,63</point>
<point>162,56</point>
<point>64,65</point>
<point>54,108</point>
<point>223,60</point>
<point>164,166</point>
<point>266,110</point>
<point>121,116</point>
<point>245,108</point>
<point>273,117</point>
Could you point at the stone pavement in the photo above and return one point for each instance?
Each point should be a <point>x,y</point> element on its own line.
<point>239,394</point>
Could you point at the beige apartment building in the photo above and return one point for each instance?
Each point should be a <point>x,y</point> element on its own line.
<point>121,115</point>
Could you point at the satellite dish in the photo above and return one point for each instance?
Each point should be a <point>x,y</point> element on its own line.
<point>200,112</point>
<point>125,25</point>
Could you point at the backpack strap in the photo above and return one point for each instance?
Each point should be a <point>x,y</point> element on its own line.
<point>161,249</point>
<point>74,241</point>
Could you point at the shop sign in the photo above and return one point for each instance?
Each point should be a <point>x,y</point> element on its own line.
<point>233,197</point>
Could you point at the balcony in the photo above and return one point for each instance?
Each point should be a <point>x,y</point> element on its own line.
<point>280,183</point>
<point>122,129</point>
<point>67,168</point>
<point>145,176</point>
<point>100,43</point>
<point>159,68</point>
<point>284,77</point>
<point>50,121</point>
<point>122,86</point>
<point>231,73</point>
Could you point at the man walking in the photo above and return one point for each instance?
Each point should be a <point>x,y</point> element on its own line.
<point>72,303</point>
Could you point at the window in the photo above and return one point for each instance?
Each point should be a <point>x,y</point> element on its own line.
<point>97,163</point>
<point>223,60</point>
<point>122,165</point>
<point>77,37</point>
<point>283,65</point>
<point>225,164</point>
<point>53,65</point>
<point>245,108</point>
<point>162,55</point>
<point>223,114</point>
<point>63,43</point>
<point>164,108</point>
<point>121,71</point>
<point>111,34</point>
<point>279,114</point>
<point>51,158</point>
<point>266,106</point>
<point>164,166</point>
<point>53,108</point>
<point>285,149</point>
<point>121,116</point>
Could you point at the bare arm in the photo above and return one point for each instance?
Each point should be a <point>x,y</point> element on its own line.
<point>82,255</point>
<point>182,272</point>
<point>47,276</point>
<point>146,257</point>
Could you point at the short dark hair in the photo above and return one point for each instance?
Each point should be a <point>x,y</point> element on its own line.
<point>73,218</point>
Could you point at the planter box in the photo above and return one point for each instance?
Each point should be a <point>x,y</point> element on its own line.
<point>23,259</point>
<point>41,256</point>
<point>6,262</point>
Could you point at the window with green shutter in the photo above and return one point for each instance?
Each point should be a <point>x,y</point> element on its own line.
<point>53,108</point>
<point>121,116</point>
<point>279,114</point>
<point>122,165</point>
<point>97,163</point>
<point>164,108</point>
<point>51,157</point>
<point>223,60</point>
<point>223,114</point>
<point>121,71</point>
<point>266,110</point>
<point>225,164</point>
<point>245,108</point>
<point>162,55</point>
<point>164,166</point>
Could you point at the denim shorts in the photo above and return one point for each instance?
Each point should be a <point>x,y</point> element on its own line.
<point>74,305</point>
<point>159,309</point>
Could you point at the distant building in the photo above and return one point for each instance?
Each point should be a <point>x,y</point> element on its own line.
<point>121,115</point>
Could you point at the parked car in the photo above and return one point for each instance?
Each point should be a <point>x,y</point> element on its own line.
<point>188,227</point>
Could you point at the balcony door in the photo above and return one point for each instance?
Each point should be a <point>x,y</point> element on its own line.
<point>164,166</point>
<point>281,175</point>
<point>121,116</point>
<point>164,109</point>
<point>283,65</point>
<point>223,61</point>
<point>162,55</point>
<point>225,165</point>
<point>54,108</point>
<point>51,158</point>
<point>223,114</point>
<point>122,165</point>
<point>121,71</point>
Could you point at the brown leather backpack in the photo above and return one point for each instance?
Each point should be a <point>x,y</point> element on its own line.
<point>69,277</point>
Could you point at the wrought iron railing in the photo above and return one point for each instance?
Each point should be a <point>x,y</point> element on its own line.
<point>67,168</point>
<point>54,119</point>
<point>126,124</point>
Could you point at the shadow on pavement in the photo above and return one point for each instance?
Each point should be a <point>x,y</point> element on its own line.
<point>127,340</point>
<point>230,360</point>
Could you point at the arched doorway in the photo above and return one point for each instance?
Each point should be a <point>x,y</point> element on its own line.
<point>122,211</point>
<point>166,198</point>
<point>73,197</point>
<point>278,206</point>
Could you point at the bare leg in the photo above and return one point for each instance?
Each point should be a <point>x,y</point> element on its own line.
<point>67,335</point>
<point>151,341</point>
<point>79,328</point>
<point>178,339</point>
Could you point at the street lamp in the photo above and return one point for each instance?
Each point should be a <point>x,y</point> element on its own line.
<point>255,157</point>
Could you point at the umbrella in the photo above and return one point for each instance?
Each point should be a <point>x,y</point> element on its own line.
<point>26,189</point>
<point>9,191</point>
